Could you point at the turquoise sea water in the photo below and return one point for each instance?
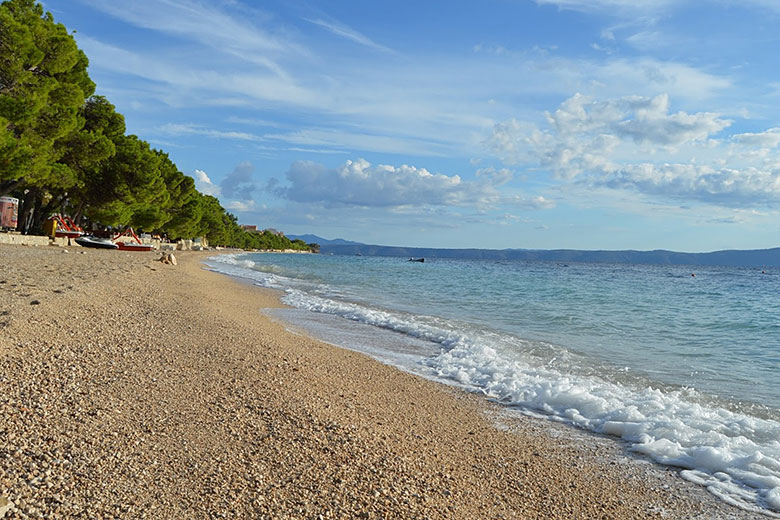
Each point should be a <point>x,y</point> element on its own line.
<point>686,369</point>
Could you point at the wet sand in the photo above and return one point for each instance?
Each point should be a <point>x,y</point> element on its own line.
<point>134,389</point>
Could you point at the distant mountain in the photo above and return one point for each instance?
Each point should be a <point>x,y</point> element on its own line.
<point>747,258</point>
<point>309,239</point>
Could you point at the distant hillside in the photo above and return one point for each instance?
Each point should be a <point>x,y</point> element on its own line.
<point>309,239</point>
<point>750,258</point>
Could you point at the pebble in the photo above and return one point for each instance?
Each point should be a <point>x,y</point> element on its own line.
<point>5,505</point>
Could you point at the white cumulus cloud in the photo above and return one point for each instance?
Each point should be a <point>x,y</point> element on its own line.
<point>359,183</point>
<point>204,185</point>
<point>239,184</point>
<point>637,143</point>
<point>241,205</point>
<point>767,139</point>
<point>234,191</point>
<point>537,202</point>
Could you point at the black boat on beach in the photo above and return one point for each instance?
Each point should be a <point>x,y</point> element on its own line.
<point>96,242</point>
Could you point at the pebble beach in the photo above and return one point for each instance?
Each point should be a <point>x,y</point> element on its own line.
<point>131,389</point>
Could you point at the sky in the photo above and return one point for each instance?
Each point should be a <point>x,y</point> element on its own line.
<point>540,124</point>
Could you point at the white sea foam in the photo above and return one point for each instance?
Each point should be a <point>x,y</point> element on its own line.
<point>233,260</point>
<point>408,324</point>
<point>736,456</point>
<point>265,276</point>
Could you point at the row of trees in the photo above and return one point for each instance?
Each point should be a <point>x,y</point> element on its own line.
<point>65,150</point>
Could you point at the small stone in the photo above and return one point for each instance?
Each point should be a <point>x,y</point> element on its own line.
<point>35,302</point>
<point>5,506</point>
<point>168,258</point>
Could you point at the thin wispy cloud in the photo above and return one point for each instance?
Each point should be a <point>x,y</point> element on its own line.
<point>206,24</point>
<point>350,34</point>
<point>612,6</point>
<point>191,129</point>
<point>252,121</point>
<point>317,151</point>
<point>634,8</point>
<point>195,84</point>
<point>359,141</point>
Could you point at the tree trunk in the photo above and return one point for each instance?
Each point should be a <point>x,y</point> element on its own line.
<point>32,202</point>
<point>78,215</point>
<point>63,201</point>
<point>25,206</point>
<point>8,186</point>
<point>36,222</point>
<point>43,213</point>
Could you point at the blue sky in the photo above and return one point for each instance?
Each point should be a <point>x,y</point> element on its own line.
<point>589,124</point>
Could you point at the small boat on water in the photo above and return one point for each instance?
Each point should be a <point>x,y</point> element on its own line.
<point>96,242</point>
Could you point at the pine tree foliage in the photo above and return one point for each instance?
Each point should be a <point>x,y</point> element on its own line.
<point>64,149</point>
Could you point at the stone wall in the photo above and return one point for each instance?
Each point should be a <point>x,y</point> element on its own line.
<point>40,240</point>
<point>27,240</point>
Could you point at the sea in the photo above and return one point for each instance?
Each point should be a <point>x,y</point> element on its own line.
<point>680,362</point>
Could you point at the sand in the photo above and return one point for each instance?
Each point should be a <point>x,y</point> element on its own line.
<point>133,389</point>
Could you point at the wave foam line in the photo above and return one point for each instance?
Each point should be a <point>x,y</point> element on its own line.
<point>232,265</point>
<point>717,448</point>
<point>406,325</point>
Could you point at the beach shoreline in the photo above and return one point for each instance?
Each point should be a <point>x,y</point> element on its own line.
<point>135,389</point>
